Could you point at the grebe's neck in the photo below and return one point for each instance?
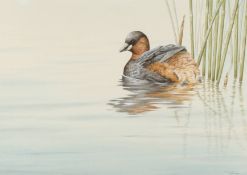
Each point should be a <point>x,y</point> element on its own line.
<point>139,48</point>
<point>135,56</point>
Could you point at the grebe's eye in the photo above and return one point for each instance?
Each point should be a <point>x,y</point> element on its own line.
<point>133,42</point>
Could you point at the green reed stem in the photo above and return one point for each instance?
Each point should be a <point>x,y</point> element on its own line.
<point>176,15</point>
<point>221,34</point>
<point>172,21</point>
<point>235,51</point>
<point>208,33</point>
<point>181,32</point>
<point>210,42</point>
<point>192,30</point>
<point>228,38</point>
<point>216,32</point>
<point>243,47</point>
<point>231,44</point>
<point>204,63</point>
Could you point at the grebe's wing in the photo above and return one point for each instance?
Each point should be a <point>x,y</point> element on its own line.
<point>160,54</point>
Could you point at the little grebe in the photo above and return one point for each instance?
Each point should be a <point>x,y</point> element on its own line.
<point>163,64</point>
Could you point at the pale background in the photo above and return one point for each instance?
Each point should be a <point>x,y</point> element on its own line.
<point>64,111</point>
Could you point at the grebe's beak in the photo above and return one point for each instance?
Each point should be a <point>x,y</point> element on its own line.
<point>126,47</point>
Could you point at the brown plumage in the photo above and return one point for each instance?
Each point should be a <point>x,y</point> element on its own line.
<point>179,68</point>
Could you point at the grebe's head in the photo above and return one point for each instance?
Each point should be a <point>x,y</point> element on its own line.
<point>136,42</point>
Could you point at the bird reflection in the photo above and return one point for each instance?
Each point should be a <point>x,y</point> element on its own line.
<point>222,112</point>
<point>145,97</point>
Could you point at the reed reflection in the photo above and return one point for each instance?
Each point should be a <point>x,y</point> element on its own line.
<point>204,111</point>
<point>223,111</point>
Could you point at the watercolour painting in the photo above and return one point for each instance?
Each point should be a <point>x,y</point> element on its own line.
<point>123,87</point>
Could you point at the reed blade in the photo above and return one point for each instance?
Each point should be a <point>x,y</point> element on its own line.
<point>192,29</point>
<point>199,59</point>
<point>176,15</point>
<point>204,63</point>
<point>172,21</point>
<point>221,34</point>
<point>216,33</point>
<point>236,45</point>
<point>243,53</point>
<point>228,38</point>
<point>181,32</point>
<point>210,42</point>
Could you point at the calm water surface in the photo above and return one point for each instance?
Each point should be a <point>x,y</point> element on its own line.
<point>65,111</point>
<point>56,118</point>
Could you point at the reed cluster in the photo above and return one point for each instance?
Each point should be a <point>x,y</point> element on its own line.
<point>218,34</point>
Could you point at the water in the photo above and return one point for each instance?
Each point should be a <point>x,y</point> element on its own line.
<point>65,110</point>
<point>55,119</point>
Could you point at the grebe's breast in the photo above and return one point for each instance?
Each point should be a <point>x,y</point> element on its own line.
<point>133,69</point>
<point>138,69</point>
